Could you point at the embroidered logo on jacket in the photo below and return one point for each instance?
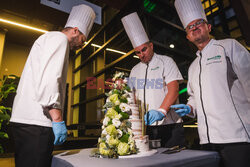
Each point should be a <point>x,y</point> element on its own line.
<point>214,58</point>
<point>155,68</point>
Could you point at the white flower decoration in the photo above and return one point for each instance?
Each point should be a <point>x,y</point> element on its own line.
<point>124,107</point>
<point>116,122</point>
<point>106,121</point>
<point>104,132</point>
<point>108,100</point>
<point>119,133</point>
<point>118,116</point>
<point>117,102</point>
<point>108,137</point>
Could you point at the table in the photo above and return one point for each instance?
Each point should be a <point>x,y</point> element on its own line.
<point>185,158</point>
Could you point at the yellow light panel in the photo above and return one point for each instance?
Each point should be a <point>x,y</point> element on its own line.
<point>22,25</point>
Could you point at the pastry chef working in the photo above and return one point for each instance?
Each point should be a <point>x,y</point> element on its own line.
<point>36,119</point>
<point>219,88</point>
<point>160,91</point>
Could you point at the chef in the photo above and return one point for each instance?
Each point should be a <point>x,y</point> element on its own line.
<point>219,88</point>
<point>36,119</point>
<point>155,80</point>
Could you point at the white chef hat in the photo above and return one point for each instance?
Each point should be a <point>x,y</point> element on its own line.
<point>189,10</point>
<point>82,17</point>
<point>134,29</point>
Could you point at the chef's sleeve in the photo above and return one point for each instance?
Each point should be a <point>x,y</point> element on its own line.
<point>191,100</point>
<point>48,79</point>
<point>241,65</point>
<point>171,71</point>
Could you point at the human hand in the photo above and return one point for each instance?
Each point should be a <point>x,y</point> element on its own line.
<point>181,109</point>
<point>60,132</point>
<point>153,115</point>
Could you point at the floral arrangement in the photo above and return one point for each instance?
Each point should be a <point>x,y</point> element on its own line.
<point>117,137</point>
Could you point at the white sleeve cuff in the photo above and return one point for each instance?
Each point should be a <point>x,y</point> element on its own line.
<point>163,111</point>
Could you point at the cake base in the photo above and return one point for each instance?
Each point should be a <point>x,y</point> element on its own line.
<point>140,154</point>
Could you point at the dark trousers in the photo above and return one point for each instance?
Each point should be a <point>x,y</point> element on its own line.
<point>33,145</point>
<point>232,155</point>
<point>170,135</point>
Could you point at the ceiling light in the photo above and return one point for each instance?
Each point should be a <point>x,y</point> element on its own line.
<point>137,57</point>
<point>22,25</point>
<point>190,126</point>
<point>95,45</point>
<point>171,45</point>
<point>116,51</point>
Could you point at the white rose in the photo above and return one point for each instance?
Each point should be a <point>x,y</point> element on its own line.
<point>107,137</point>
<point>116,122</point>
<point>108,100</point>
<point>104,132</point>
<point>106,121</point>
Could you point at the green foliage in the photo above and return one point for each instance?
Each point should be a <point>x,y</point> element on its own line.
<point>124,138</point>
<point>124,115</point>
<point>5,89</point>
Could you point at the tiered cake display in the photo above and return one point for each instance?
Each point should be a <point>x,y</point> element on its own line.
<point>123,129</point>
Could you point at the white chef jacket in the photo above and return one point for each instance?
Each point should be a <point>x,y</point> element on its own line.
<point>160,71</point>
<point>43,80</point>
<point>219,89</point>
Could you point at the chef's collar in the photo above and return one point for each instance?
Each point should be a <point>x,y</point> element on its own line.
<point>205,48</point>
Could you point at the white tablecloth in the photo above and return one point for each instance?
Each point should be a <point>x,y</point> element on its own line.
<point>185,158</point>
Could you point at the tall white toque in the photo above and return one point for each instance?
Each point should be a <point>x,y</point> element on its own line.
<point>189,10</point>
<point>134,29</point>
<point>82,17</point>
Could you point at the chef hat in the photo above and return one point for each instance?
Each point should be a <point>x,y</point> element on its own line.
<point>134,29</point>
<point>82,17</point>
<point>189,10</point>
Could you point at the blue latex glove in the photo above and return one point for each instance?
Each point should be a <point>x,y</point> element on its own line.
<point>153,115</point>
<point>60,132</point>
<point>181,109</point>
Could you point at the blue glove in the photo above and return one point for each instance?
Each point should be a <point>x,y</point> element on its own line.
<point>153,115</point>
<point>181,109</point>
<point>60,132</point>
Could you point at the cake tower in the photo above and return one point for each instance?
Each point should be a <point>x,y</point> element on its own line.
<point>122,130</point>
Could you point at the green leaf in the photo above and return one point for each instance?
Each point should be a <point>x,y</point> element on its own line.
<point>124,115</point>
<point>116,91</point>
<point>123,100</point>
<point>4,116</point>
<point>117,109</point>
<point>4,135</point>
<point>124,138</point>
